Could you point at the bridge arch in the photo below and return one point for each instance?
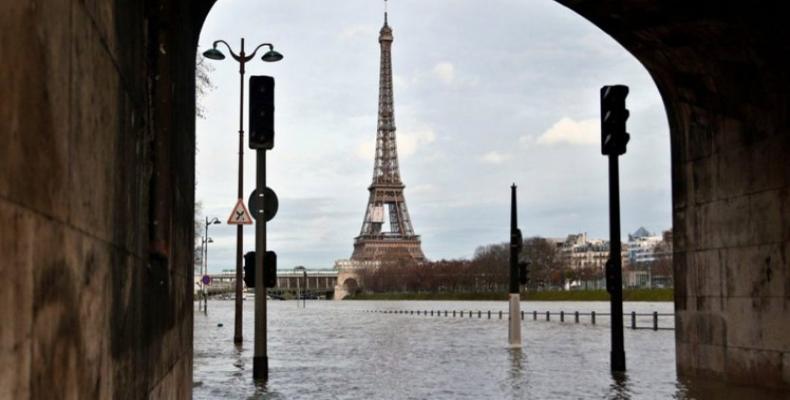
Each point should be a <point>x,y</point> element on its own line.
<point>126,87</point>
<point>730,182</point>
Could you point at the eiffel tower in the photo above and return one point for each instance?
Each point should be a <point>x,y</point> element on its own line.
<point>386,191</point>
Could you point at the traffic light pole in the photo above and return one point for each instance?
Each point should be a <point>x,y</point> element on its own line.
<point>616,274</point>
<point>514,326</point>
<point>260,360</point>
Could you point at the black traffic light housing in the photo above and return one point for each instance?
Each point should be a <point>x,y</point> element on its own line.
<point>523,272</point>
<point>516,241</point>
<point>249,269</point>
<point>614,138</point>
<point>609,273</point>
<point>269,262</point>
<point>261,112</point>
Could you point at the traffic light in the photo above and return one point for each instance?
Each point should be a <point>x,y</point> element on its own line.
<point>614,138</point>
<point>523,272</point>
<point>270,264</point>
<point>261,112</point>
<point>249,269</point>
<point>609,272</point>
<point>516,241</point>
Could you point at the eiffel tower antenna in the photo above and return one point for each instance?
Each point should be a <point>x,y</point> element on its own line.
<point>375,242</point>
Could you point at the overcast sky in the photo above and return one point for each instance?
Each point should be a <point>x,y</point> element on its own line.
<point>484,96</point>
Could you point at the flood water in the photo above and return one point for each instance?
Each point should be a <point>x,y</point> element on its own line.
<point>351,350</point>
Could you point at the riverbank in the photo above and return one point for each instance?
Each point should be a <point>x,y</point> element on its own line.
<point>565,295</point>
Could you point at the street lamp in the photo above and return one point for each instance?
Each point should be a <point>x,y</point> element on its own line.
<point>241,58</point>
<point>206,241</point>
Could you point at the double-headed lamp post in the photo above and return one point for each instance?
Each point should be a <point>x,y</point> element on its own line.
<point>206,241</point>
<point>241,58</point>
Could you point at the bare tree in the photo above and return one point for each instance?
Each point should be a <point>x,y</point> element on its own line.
<point>203,83</point>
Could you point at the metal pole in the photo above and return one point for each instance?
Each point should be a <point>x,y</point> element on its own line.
<point>205,270</point>
<point>200,273</point>
<point>260,360</point>
<point>237,328</point>
<point>617,356</point>
<point>514,327</point>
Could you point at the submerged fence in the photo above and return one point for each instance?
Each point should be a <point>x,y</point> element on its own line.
<point>637,320</point>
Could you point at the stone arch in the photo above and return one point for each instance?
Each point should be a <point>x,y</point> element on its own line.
<point>351,285</point>
<point>119,114</point>
<point>722,71</point>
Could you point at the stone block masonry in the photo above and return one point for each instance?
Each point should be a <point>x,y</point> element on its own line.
<point>721,69</point>
<point>96,198</point>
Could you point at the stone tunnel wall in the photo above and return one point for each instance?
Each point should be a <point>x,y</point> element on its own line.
<point>97,177</point>
<point>96,198</point>
<point>723,70</point>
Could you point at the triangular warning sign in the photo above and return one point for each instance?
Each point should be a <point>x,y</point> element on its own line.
<point>240,215</point>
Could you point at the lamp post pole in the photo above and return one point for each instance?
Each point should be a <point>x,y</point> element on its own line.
<point>200,271</point>
<point>237,329</point>
<point>242,58</point>
<point>206,241</point>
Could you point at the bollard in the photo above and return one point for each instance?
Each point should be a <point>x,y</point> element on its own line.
<point>411,312</point>
<point>576,317</point>
<point>548,316</point>
<point>534,315</point>
<point>562,316</point>
<point>453,313</point>
<point>479,314</point>
<point>592,317</point>
<point>489,314</point>
<point>445,313</point>
<point>633,319</point>
<point>655,320</point>
<point>522,315</point>
<point>500,315</point>
<point>432,313</point>
<point>470,314</point>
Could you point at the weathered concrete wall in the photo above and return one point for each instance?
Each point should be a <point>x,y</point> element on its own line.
<point>96,198</point>
<point>723,70</point>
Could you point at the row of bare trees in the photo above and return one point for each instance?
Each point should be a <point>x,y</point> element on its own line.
<point>487,270</point>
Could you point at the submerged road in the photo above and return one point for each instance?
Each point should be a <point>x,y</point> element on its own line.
<point>339,350</point>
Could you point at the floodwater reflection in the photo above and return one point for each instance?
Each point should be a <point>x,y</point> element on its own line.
<point>332,350</point>
<point>619,386</point>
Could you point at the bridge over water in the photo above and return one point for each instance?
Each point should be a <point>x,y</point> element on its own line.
<point>318,282</point>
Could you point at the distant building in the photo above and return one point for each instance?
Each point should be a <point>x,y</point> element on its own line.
<point>579,252</point>
<point>586,260</point>
<point>650,257</point>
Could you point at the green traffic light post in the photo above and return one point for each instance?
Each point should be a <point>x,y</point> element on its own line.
<point>614,139</point>
<point>242,58</point>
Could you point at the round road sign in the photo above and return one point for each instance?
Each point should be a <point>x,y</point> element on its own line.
<point>206,279</point>
<point>270,203</point>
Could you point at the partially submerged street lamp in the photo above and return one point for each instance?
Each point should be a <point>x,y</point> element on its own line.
<point>206,241</point>
<point>242,58</point>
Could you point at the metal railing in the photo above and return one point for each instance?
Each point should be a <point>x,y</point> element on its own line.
<point>648,321</point>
